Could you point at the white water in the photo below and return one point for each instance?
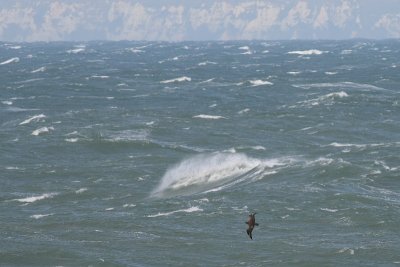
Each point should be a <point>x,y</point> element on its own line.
<point>11,60</point>
<point>208,117</point>
<point>180,79</point>
<point>35,118</point>
<point>36,198</point>
<point>211,172</point>
<point>307,52</point>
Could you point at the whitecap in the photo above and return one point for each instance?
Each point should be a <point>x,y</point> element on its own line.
<point>329,210</point>
<point>212,172</point>
<point>180,79</point>
<point>75,51</point>
<point>335,144</point>
<point>244,48</point>
<point>294,72</point>
<point>207,81</point>
<point>16,47</point>
<point>36,198</point>
<point>81,190</point>
<point>244,111</point>
<point>308,52</point>
<point>12,168</point>
<point>189,210</point>
<point>128,136</point>
<point>260,82</point>
<point>72,133</point>
<point>346,52</point>
<point>35,118</point>
<point>100,76</point>
<point>337,94</point>
<point>129,205</point>
<point>327,99</point>
<point>135,50</point>
<point>258,148</point>
<point>208,117</point>
<point>41,69</point>
<point>42,130</point>
<point>11,60</point>
<point>8,103</point>
<point>349,250</point>
<point>39,216</point>
<point>330,72</point>
<point>346,85</point>
<point>207,63</point>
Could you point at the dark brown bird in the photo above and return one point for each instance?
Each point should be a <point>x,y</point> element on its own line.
<point>251,222</point>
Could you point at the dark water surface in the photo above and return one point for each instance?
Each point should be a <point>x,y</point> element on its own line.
<point>153,154</point>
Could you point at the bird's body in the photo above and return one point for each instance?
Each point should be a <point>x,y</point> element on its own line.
<point>251,222</point>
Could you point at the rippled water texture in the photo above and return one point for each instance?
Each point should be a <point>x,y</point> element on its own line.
<point>154,154</point>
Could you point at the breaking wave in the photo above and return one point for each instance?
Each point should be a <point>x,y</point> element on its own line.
<point>180,79</point>
<point>212,172</point>
<point>307,52</point>
<point>11,60</point>
<point>189,210</point>
<point>208,117</point>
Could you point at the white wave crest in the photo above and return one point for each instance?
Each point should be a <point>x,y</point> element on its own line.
<point>328,99</point>
<point>39,216</point>
<point>81,190</point>
<point>42,130</point>
<point>11,60</point>
<point>180,79</point>
<point>208,117</point>
<point>71,140</point>
<point>342,85</point>
<point>294,72</point>
<point>211,172</point>
<point>260,82</point>
<point>207,63</point>
<point>36,198</point>
<point>329,210</point>
<point>127,136</point>
<point>189,210</point>
<point>35,118</point>
<point>307,52</point>
<point>75,51</point>
<point>41,69</point>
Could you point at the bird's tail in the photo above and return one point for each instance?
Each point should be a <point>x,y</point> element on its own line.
<point>249,234</point>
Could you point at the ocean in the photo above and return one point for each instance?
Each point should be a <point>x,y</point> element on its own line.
<point>155,153</point>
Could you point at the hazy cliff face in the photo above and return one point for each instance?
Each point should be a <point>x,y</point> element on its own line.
<point>174,20</point>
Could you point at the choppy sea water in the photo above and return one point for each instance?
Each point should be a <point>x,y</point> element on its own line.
<point>154,154</point>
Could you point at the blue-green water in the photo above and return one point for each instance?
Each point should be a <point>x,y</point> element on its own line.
<point>154,154</point>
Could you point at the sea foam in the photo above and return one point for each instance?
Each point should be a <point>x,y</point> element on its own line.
<point>39,216</point>
<point>11,60</point>
<point>75,51</point>
<point>35,118</point>
<point>260,82</point>
<point>36,198</point>
<point>308,52</point>
<point>208,117</point>
<point>41,69</point>
<point>42,130</point>
<point>189,210</point>
<point>180,79</point>
<point>211,172</point>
